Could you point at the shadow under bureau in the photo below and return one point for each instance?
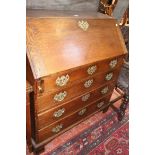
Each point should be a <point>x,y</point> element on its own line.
<point>73,63</point>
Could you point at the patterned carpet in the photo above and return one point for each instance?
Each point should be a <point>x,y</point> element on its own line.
<point>116,144</point>
<point>101,134</point>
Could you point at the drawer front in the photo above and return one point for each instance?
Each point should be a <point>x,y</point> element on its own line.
<point>51,100</point>
<point>62,111</point>
<point>59,126</point>
<point>67,78</point>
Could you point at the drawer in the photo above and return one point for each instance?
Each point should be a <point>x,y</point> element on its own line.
<point>59,126</point>
<point>65,109</point>
<point>69,77</point>
<point>54,99</point>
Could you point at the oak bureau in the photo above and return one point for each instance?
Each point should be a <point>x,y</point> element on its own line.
<point>73,62</point>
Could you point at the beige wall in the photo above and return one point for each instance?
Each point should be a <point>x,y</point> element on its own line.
<point>76,5</point>
<point>120,9</point>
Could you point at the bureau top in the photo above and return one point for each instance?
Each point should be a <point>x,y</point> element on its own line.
<point>58,44</point>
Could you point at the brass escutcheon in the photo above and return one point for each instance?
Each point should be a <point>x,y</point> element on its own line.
<point>83,25</point>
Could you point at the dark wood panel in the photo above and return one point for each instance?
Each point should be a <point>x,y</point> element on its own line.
<point>28,116</point>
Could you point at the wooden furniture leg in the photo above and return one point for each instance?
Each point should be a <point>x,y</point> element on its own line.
<point>28,116</point>
<point>125,100</point>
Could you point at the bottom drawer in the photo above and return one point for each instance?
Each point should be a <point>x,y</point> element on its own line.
<point>59,126</point>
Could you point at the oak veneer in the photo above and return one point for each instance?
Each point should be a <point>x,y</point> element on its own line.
<point>45,104</point>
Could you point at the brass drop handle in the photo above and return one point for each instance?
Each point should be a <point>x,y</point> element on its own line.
<point>109,76</point>
<point>57,128</point>
<point>85,97</point>
<point>104,90</point>
<point>99,105</point>
<point>113,63</point>
<point>59,113</point>
<point>60,97</point>
<point>62,81</point>
<point>82,112</point>
<point>91,70</point>
<point>88,83</point>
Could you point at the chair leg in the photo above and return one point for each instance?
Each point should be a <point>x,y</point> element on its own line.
<point>123,107</point>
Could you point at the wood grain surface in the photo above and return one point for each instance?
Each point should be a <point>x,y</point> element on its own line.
<point>76,74</point>
<point>59,44</point>
<point>70,120</point>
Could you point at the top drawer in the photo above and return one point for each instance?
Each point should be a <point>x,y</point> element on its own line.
<point>69,77</point>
